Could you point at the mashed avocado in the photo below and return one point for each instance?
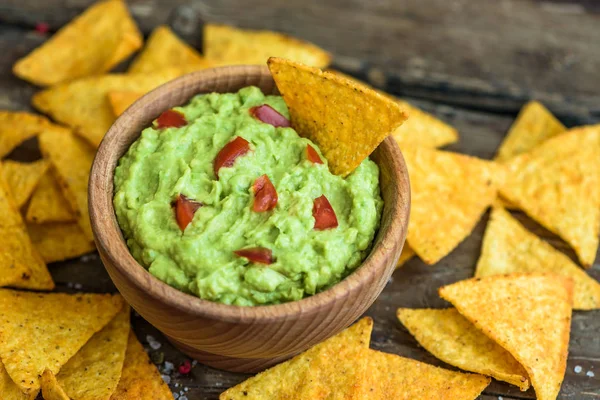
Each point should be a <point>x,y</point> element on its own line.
<point>166,163</point>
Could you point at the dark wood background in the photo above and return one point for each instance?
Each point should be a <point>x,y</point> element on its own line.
<point>471,63</point>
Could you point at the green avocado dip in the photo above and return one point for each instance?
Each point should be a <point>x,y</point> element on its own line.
<point>196,208</point>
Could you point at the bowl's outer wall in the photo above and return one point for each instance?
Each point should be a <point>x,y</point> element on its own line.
<point>229,337</point>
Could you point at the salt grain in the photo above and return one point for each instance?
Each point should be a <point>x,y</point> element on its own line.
<point>168,367</point>
<point>166,378</point>
<point>590,374</point>
<point>153,343</point>
<point>175,395</point>
<point>78,286</point>
<point>577,369</point>
<point>183,398</point>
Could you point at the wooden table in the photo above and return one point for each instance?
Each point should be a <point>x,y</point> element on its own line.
<point>472,64</point>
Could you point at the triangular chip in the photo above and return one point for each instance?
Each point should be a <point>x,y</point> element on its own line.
<point>72,160</point>
<point>423,129</point>
<point>453,339</point>
<point>345,119</point>
<point>140,380</point>
<point>51,389</point>
<point>22,178</point>
<point>42,331</point>
<point>16,127</point>
<point>557,183</point>
<point>533,125</point>
<point>59,241</point>
<point>48,203</point>
<point>394,377</point>
<point>94,372</point>
<point>226,45</point>
<point>407,254</point>
<point>287,378</point>
<point>449,193</point>
<point>82,104</point>
<point>529,315</point>
<point>508,247</point>
<point>9,389</point>
<point>120,101</point>
<point>164,49</point>
<point>91,44</point>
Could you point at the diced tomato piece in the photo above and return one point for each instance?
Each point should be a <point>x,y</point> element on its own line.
<point>265,195</point>
<point>269,115</point>
<point>324,214</point>
<point>185,210</point>
<point>170,119</point>
<point>228,154</point>
<point>258,255</point>
<point>312,155</point>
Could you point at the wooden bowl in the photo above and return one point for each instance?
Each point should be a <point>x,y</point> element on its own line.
<point>241,339</point>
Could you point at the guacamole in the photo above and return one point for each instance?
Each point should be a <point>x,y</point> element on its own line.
<point>219,204</point>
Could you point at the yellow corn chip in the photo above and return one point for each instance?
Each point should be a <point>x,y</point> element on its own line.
<point>51,389</point>
<point>423,129</point>
<point>529,315</point>
<point>93,43</point>
<point>453,339</point>
<point>228,45</point>
<point>83,105</point>
<point>407,254</point>
<point>72,159</point>
<point>164,49</point>
<point>59,241</point>
<point>533,125</point>
<point>508,247</point>
<point>394,377</point>
<point>346,120</point>
<point>449,193</point>
<point>94,372</point>
<point>120,101</point>
<point>16,127</point>
<point>287,378</point>
<point>48,203</point>
<point>42,331</point>
<point>557,183</point>
<point>140,380</point>
<point>9,390</point>
<point>22,178</point>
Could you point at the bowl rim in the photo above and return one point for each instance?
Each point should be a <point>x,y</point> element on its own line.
<point>116,251</point>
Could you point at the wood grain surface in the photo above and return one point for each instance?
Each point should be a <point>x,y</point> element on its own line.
<point>472,64</point>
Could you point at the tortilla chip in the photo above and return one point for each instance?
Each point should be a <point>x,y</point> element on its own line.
<point>42,331</point>
<point>449,193</point>
<point>140,380</point>
<point>557,183</point>
<point>120,101</point>
<point>407,254</point>
<point>22,178</point>
<point>48,203</point>
<point>51,389</point>
<point>533,125</point>
<point>508,247</point>
<point>287,378</point>
<point>16,127</point>
<point>527,314</point>
<point>9,389</point>
<point>453,339</point>
<point>346,120</point>
<point>226,45</point>
<point>59,241</point>
<point>94,372</point>
<point>164,49</point>
<point>82,104</point>
<point>423,129</point>
<point>72,160</point>
<point>91,44</point>
<point>394,377</point>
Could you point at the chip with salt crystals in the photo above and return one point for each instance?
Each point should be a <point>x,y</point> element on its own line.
<point>120,101</point>
<point>9,389</point>
<point>91,44</point>
<point>533,125</point>
<point>529,315</point>
<point>72,160</point>
<point>509,247</point>
<point>449,193</point>
<point>164,49</point>
<point>59,241</point>
<point>394,377</point>
<point>557,184</point>
<point>453,339</point>
<point>94,371</point>
<point>42,331</point>
<point>345,119</point>
<point>22,178</point>
<point>226,45</point>
<point>82,104</point>
<point>407,254</point>
<point>140,380</point>
<point>16,127</point>
<point>289,378</point>
<point>48,203</point>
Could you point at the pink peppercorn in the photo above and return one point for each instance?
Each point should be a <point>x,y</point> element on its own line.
<point>185,367</point>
